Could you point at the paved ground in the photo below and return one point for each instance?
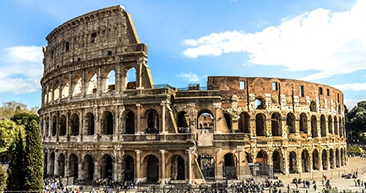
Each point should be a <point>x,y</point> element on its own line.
<point>354,165</point>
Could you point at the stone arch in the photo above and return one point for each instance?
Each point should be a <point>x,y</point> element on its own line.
<point>63,125</point>
<point>106,166</point>
<point>228,121</point>
<point>65,87</point>
<point>107,123</point>
<point>229,166</point>
<point>314,126</point>
<point>316,162</point>
<point>76,85</point>
<point>276,160</point>
<point>323,129</point>
<point>336,130</point>
<point>56,90</point>
<point>177,168</point>
<point>75,125</point>
<point>303,123</point>
<point>207,165</point>
<point>331,158</point>
<point>244,122</point>
<point>183,122</point>
<point>110,82</point>
<point>292,165</point>
<point>52,163</point>
<point>305,161</point>
<point>54,126</point>
<point>152,121</point>
<point>276,124</point>
<point>260,124</point>
<point>130,123</point>
<point>205,120</point>
<point>262,160</point>
<point>337,157</point>
<point>89,124</point>
<point>131,78</point>
<point>128,165</point>
<point>73,166</point>
<point>313,106</point>
<point>290,123</point>
<point>152,169</point>
<point>325,159</point>
<point>330,125</point>
<point>61,165</point>
<point>91,83</point>
<point>260,103</point>
<point>88,167</point>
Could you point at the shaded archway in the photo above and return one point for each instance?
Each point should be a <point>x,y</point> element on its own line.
<point>331,158</point>
<point>229,167</point>
<point>61,165</point>
<point>88,167</point>
<point>260,124</point>
<point>303,123</point>
<point>75,123</point>
<point>276,159</point>
<point>73,166</point>
<point>152,169</point>
<point>205,120</point>
<point>314,126</point>
<point>290,123</point>
<point>54,125</point>
<point>244,122</point>
<point>89,124</point>
<point>130,123</point>
<point>129,170</point>
<point>276,124</point>
<point>106,166</point>
<point>177,168</point>
<point>325,159</point>
<point>152,121</point>
<point>316,162</point>
<point>107,124</point>
<point>62,125</point>
<point>292,165</point>
<point>52,164</point>
<point>323,129</point>
<point>182,122</point>
<point>305,161</point>
<point>207,165</point>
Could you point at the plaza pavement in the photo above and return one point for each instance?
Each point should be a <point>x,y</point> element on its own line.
<point>354,165</point>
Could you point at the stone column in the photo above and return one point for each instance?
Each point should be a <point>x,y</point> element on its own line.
<point>163,107</point>
<point>163,178</point>
<point>190,151</point>
<point>138,119</point>
<point>218,164</point>
<point>138,166</point>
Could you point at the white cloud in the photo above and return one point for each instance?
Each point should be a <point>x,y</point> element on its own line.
<point>191,77</point>
<point>21,69</point>
<point>327,42</point>
<point>352,86</point>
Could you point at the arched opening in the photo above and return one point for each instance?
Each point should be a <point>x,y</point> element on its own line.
<point>62,125</point>
<point>292,162</point>
<point>75,125</point>
<point>259,103</point>
<point>228,121</point>
<point>128,165</point>
<point>276,159</point>
<point>52,164</point>
<point>65,88</point>
<point>336,131</point>
<point>205,120</point>
<point>313,106</point>
<point>229,167</point>
<point>106,166</point>
<point>56,91</point>
<point>325,159</point>
<point>323,129</point>
<point>91,84</point>
<point>316,163</point>
<point>276,124</point>
<point>73,166</point>
<point>111,81</point>
<point>107,127</point>
<point>182,122</point>
<point>290,123</point>
<point>89,124</point>
<point>54,125</point>
<point>152,169</point>
<point>261,159</point>
<point>260,122</point>
<point>330,125</point>
<point>77,86</point>
<point>244,122</point>
<point>152,121</point>
<point>88,167</point>
<point>331,158</point>
<point>177,168</point>
<point>305,161</point>
<point>130,123</point>
<point>338,163</point>
<point>314,126</point>
<point>131,78</point>
<point>61,165</point>
<point>207,164</point>
<point>303,123</point>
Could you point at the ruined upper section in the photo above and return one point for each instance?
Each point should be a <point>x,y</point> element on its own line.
<point>101,33</point>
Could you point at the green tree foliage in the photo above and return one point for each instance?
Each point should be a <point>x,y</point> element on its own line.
<point>16,176</point>
<point>8,133</point>
<point>3,178</point>
<point>356,120</point>
<point>33,158</point>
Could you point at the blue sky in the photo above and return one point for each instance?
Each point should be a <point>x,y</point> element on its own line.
<point>321,41</point>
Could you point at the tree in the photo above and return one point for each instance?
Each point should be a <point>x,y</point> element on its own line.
<point>15,180</point>
<point>8,133</point>
<point>356,120</point>
<point>10,108</point>
<point>33,158</point>
<point>3,178</point>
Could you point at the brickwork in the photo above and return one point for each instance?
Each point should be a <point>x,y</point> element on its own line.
<point>99,122</point>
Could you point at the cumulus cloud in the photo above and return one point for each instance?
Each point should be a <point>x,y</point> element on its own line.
<point>323,41</point>
<point>191,77</point>
<point>21,69</point>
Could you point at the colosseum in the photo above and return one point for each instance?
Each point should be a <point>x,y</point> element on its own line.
<point>102,116</point>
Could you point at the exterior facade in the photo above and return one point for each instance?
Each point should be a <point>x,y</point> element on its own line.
<point>102,116</point>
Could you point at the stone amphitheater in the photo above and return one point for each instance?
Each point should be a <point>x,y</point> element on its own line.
<point>102,116</point>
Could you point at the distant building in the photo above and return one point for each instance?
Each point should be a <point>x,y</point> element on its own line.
<point>103,117</point>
